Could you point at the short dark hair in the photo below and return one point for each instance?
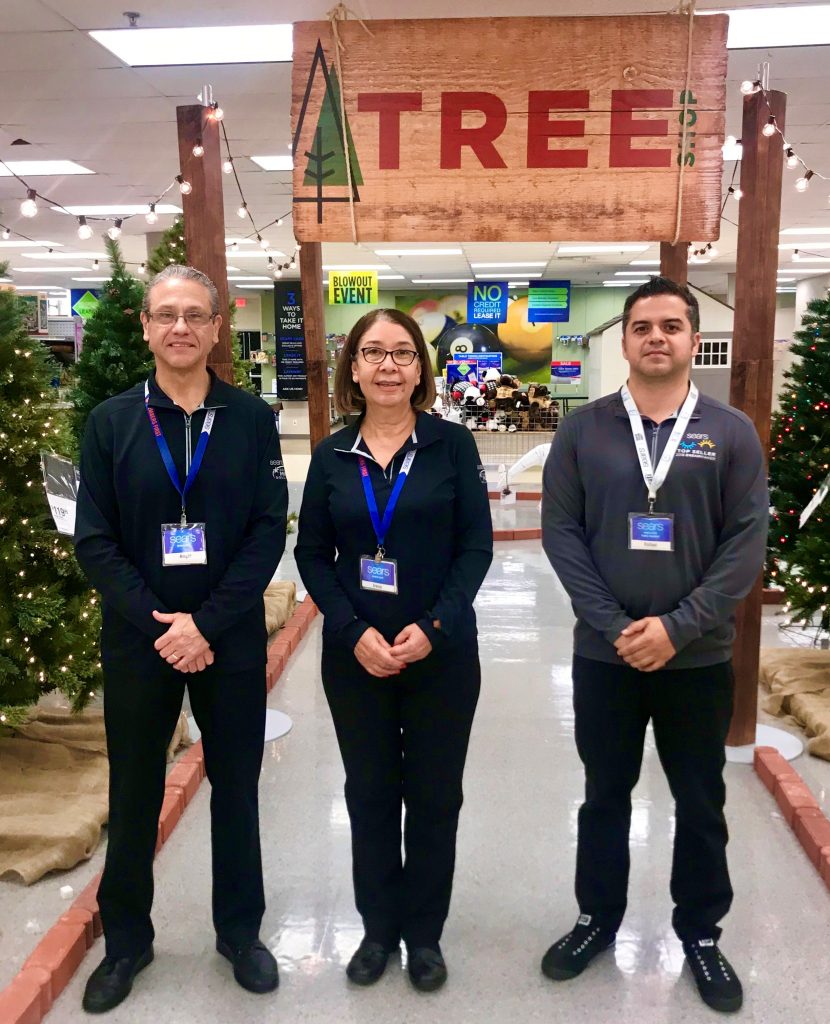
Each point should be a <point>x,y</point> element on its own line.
<point>347,394</point>
<point>663,286</point>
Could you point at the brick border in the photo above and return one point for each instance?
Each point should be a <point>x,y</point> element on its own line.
<point>520,495</point>
<point>798,806</point>
<point>46,973</point>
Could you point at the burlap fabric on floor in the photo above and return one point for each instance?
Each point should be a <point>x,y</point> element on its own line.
<point>798,681</point>
<point>53,792</point>
<point>280,601</point>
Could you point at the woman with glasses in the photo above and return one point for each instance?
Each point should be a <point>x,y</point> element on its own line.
<point>394,541</point>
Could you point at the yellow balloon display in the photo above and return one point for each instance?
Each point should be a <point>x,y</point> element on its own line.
<point>525,342</point>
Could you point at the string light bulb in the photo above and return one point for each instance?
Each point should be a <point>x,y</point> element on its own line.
<point>184,186</point>
<point>769,128</point>
<point>217,113</point>
<point>263,242</point>
<point>242,212</point>
<point>115,231</point>
<point>279,222</point>
<point>199,149</point>
<point>6,234</point>
<point>278,273</point>
<point>151,216</point>
<point>95,264</point>
<point>84,230</point>
<point>748,87</point>
<point>142,268</point>
<point>804,183</point>
<point>792,159</point>
<point>227,166</point>
<point>736,192</point>
<point>28,208</point>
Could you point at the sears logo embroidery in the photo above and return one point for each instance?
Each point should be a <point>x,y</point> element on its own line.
<point>698,446</point>
<point>277,469</point>
<point>482,474</point>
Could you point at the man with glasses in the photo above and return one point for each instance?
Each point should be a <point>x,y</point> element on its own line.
<point>180,526</point>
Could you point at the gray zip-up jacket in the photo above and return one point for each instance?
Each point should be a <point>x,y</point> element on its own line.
<point>716,488</point>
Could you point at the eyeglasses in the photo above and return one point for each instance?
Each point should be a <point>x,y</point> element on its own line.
<point>195,318</point>
<point>400,356</point>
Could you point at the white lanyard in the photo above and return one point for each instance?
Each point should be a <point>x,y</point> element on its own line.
<point>655,478</point>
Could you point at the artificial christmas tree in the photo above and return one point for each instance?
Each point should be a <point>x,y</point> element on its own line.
<point>798,558</point>
<point>171,249</point>
<point>115,355</point>
<point>49,617</point>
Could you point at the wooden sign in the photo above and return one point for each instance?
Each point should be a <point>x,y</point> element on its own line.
<point>491,129</point>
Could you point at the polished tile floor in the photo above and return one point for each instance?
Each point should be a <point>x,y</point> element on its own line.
<point>513,892</point>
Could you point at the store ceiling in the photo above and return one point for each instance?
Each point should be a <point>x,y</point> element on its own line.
<point>69,98</point>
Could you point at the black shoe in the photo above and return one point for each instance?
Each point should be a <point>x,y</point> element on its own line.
<point>368,963</point>
<point>714,976</point>
<point>254,966</point>
<point>112,981</point>
<point>426,967</point>
<point>569,957</point>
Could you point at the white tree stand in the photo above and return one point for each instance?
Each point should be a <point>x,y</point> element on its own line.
<point>277,724</point>
<point>784,742</point>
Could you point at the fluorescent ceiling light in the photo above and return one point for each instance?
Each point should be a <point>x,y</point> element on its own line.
<point>241,241</point>
<point>518,284</point>
<point>260,254</point>
<point>786,280</point>
<point>644,263</point>
<point>354,266</point>
<point>419,252</point>
<point>64,256</point>
<point>805,245</point>
<point>485,266</point>
<point>232,270</point>
<point>29,245</point>
<point>590,249</point>
<point>281,162</point>
<point>498,277</point>
<point>217,44</point>
<point>623,284</point>
<point>753,28</point>
<point>255,287</point>
<point>116,209</point>
<point>786,289</point>
<point>6,280</point>
<point>635,273</point>
<point>805,231</point>
<point>391,277</point>
<point>41,168</point>
<point>90,280</point>
<point>46,270</point>
<point>442,280</point>
<point>255,278</point>
<point>41,288</point>
<point>814,259</point>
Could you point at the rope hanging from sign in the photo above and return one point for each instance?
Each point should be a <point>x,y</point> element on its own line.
<point>337,14</point>
<point>689,10</point>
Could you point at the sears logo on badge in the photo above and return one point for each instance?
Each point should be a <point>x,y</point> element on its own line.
<point>482,474</point>
<point>277,469</point>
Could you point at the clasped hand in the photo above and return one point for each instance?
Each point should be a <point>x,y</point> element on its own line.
<point>382,659</point>
<point>645,644</point>
<point>183,646</point>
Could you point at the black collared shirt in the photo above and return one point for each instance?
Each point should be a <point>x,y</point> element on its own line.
<point>441,534</point>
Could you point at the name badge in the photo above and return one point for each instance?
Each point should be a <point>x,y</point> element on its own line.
<point>650,532</point>
<point>183,544</point>
<point>379,575</point>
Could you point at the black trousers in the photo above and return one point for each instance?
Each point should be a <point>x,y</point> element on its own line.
<point>404,742</point>
<point>690,710</point>
<point>141,707</point>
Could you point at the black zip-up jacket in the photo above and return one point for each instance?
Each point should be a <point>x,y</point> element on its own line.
<point>240,494</point>
<point>717,489</point>
<point>441,535</point>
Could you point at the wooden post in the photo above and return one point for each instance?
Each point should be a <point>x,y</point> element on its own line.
<point>674,261</point>
<point>752,349</point>
<point>204,217</point>
<point>311,282</point>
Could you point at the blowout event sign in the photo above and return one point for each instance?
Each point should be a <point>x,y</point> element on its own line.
<point>353,287</point>
<point>509,128</point>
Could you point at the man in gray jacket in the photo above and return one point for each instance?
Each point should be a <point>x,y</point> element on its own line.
<point>654,517</point>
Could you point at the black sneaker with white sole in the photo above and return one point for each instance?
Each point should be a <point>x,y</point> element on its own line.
<point>569,957</point>
<point>714,976</point>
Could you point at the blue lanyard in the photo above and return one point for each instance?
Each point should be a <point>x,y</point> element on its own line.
<point>167,458</point>
<point>381,528</point>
